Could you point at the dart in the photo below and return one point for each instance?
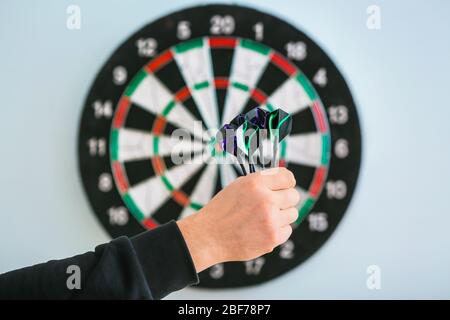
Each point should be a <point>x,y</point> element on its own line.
<point>255,120</point>
<point>228,140</point>
<point>279,124</point>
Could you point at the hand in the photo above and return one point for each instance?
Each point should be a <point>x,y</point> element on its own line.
<point>245,220</point>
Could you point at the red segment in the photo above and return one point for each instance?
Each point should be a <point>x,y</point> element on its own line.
<point>121,180</point>
<point>180,197</point>
<point>258,96</point>
<point>318,181</point>
<point>282,163</point>
<point>222,42</point>
<point>319,117</point>
<point>159,61</point>
<point>158,165</point>
<point>182,94</point>
<point>121,112</point>
<point>282,63</point>
<point>221,83</point>
<point>159,125</point>
<point>149,223</point>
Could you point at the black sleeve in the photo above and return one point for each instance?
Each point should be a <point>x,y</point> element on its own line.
<point>148,266</point>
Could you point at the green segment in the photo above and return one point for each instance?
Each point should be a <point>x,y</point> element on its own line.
<point>201,85</point>
<point>167,183</point>
<point>135,211</point>
<point>195,206</point>
<point>188,45</point>
<point>135,82</point>
<point>325,149</point>
<point>270,107</point>
<point>168,108</point>
<point>240,86</point>
<point>304,210</point>
<point>155,145</point>
<point>304,82</point>
<point>114,144</point>
<point>255,46</point>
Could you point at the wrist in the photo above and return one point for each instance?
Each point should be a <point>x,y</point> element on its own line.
<point>201,241</point>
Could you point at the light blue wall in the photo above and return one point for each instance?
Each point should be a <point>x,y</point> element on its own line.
<point>400,216</point>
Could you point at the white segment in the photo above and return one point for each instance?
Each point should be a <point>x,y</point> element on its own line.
<point>290,96</point>
<point>182,118</point>
<point>204,190</point>
<point>304,149</point>
<point>247,68</point>
<point>206,102</point>
<point>151,95</point>
<point>134,145</point>
<point>227,175</point>
<point>187,211</point>
<point>234,103</point>
<point>179,175</point>
<point>195,66</point>
<point>149,195</point>
<point>138,145</point>
<point>173,146</point>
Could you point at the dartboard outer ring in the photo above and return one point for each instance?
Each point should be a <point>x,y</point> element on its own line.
<point>335,93</point>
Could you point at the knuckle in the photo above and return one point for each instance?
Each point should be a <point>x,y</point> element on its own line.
<point>269,249</point>
<point>252,184</point>
<point>291,178</point>
<point>294,214</point>
<point>288,234</point>
<point>272,237</point>
<point>295,196</point>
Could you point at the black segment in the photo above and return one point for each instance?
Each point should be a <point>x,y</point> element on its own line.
<point>192,108</point>
<point>170,210</point>
<point>271,79</point>
<point>189,186</point>
<point>138,171</point>
<point>171,77</point>
<point>303,122</point>
<point>221,59</point>
<point>303,174</point>
<point>221,96</point>
<point>139,118</point>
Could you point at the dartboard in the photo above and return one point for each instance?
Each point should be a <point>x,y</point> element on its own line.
<point>194,70</point>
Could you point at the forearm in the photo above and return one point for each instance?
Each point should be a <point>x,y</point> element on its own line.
<point>142,267</point>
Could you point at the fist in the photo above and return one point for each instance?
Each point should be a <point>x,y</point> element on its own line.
<point>247,219</point>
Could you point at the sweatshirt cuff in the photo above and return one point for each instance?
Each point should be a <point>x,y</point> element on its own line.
<point>165,259</point>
